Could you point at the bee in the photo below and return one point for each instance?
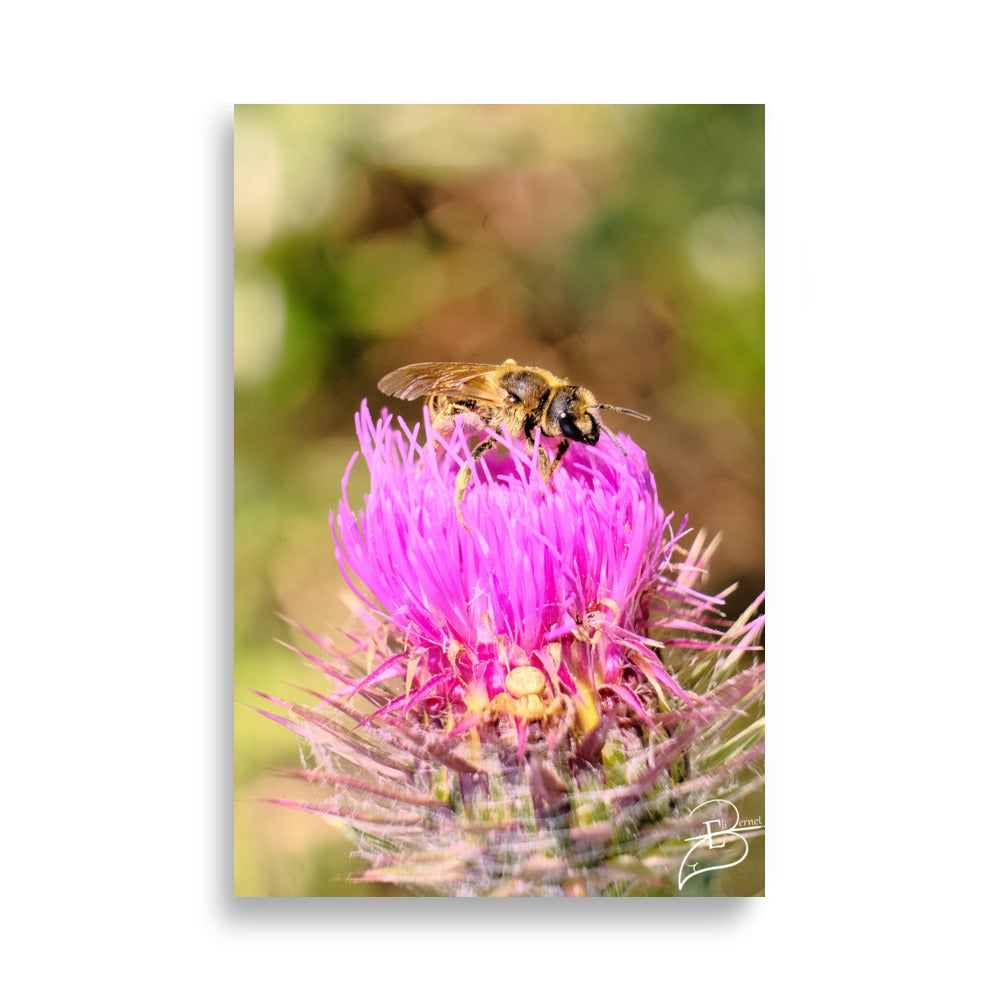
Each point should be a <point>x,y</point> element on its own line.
<point>523,398</point>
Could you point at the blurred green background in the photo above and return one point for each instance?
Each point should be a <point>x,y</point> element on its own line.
<point>619,245</point>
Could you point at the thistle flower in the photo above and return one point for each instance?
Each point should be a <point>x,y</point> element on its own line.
<point>535,705</point>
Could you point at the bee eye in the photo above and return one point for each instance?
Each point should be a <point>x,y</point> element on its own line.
<point>578,425</point>
<point>570,428</point>
<point>574,421</point>
<point>583,428</point>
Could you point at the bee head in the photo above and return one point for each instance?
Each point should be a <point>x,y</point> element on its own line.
<point>568,414</point>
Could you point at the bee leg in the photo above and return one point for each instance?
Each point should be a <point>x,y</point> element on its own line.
<point>547,468</point>
<point>560,454</point>
<point>465,474</point>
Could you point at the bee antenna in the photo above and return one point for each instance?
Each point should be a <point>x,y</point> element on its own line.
<point>619,409</point>
<point>611,434</point>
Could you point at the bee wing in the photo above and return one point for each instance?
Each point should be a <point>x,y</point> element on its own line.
<point>470,381</point>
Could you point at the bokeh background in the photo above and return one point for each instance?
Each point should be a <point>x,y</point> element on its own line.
<point>619,245</point>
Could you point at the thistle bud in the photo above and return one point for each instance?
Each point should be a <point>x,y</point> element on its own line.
<point>544,704</point>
